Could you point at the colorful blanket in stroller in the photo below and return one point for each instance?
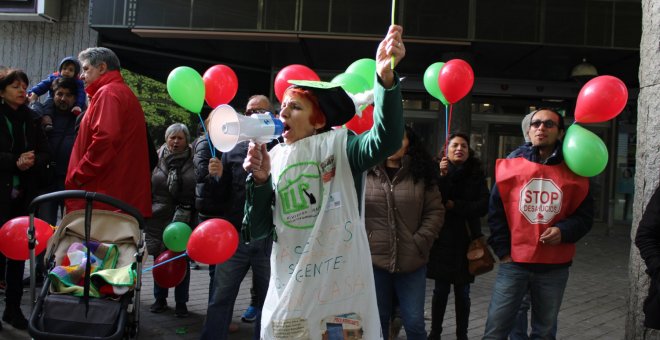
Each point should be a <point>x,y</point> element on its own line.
<point>105,279</point>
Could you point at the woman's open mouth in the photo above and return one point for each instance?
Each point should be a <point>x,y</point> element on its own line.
<point>285,129</point>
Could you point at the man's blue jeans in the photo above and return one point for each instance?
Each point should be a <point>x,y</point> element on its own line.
<point>512,283</point>
<point>227,282</point>
<point>519,331</point>
<point>410,289</point>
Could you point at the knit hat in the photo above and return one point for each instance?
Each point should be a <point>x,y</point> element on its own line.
<point>525,125</point>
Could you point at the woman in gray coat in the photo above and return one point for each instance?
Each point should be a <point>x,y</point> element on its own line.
<point>403,215</point>
<point>173,200</point>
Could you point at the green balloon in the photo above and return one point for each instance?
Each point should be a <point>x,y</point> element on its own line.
<point>431,83</point>
<point>176,235</point>
<point>584,152</point>
<point>186,87</point>
<point>365,68</point>
<point>351,82</point>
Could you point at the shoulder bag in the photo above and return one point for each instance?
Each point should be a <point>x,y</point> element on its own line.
<point>480,259</point>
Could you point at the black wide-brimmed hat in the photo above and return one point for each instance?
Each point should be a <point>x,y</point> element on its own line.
<point>335,103</point>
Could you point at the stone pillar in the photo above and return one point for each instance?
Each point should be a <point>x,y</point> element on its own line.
<point>648,161</point>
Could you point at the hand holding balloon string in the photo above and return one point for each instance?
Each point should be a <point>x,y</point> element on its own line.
<point>215,167</point>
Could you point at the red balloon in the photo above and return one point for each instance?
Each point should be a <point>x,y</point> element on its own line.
<point>220,85</point>
<point>455,79</point>
<point>601,99</point>
<point>361,124</point>
<point>213,241</point>
<point>14,240</point>
<point>292,72</point>
<point>171,273</point>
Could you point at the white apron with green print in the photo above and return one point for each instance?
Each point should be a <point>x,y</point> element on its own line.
<point>321,283</point>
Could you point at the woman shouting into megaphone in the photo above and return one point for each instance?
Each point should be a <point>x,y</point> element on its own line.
<point>321,272</point>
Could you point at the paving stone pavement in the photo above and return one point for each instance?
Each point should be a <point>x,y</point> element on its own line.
<point>594,305</point>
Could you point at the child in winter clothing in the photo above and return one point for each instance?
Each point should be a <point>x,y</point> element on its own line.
<point>69,68</point>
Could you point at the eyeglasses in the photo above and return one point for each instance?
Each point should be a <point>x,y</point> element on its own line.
<point>249,112</point>
<point>549,124</point>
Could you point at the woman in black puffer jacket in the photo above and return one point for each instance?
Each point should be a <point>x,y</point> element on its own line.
<point>465,196</point>
<point>23,156</point>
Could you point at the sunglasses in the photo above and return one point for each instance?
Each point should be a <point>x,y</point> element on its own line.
<point>249,112</point>
<point>549,124</point>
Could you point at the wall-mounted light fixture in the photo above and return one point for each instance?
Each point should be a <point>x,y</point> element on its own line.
<point>584,71</point>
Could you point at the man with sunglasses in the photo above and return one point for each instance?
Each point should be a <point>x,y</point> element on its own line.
<point>225,284</point>
<point>538,210</point>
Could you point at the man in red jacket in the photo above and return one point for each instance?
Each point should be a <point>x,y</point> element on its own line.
<point>110,154</point>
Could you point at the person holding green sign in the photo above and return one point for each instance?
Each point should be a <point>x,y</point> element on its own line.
<point>173,195</point>
<point>322,280</point>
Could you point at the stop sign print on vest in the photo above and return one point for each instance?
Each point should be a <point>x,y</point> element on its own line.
<point>540,200</point>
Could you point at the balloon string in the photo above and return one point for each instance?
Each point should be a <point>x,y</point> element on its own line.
<point>448,127</point>
<point>208,137</point>
<point>446,150</point>
<point>393,11</point>
<point>162,263</point>
<point>451,109</point>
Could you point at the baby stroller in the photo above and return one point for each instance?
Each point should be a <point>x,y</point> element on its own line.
<point>85,313</point>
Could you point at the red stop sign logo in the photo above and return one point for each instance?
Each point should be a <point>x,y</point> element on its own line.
<point>540,200</point>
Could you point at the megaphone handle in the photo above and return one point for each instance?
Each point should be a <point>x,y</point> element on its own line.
<point>258,141</point>
<point>257,147</point>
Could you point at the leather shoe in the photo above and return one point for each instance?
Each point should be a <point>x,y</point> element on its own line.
<point>159,306</point>
<point>181,311</point>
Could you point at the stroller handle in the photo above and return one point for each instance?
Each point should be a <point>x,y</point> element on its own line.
<point>88,196</point>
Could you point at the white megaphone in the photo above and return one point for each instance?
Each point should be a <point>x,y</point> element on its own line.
<point>228,128</point>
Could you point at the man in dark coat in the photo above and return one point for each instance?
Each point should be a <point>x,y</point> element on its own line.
<point>648,242</point>
<point>60,139</point>
<point>256,254</point>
